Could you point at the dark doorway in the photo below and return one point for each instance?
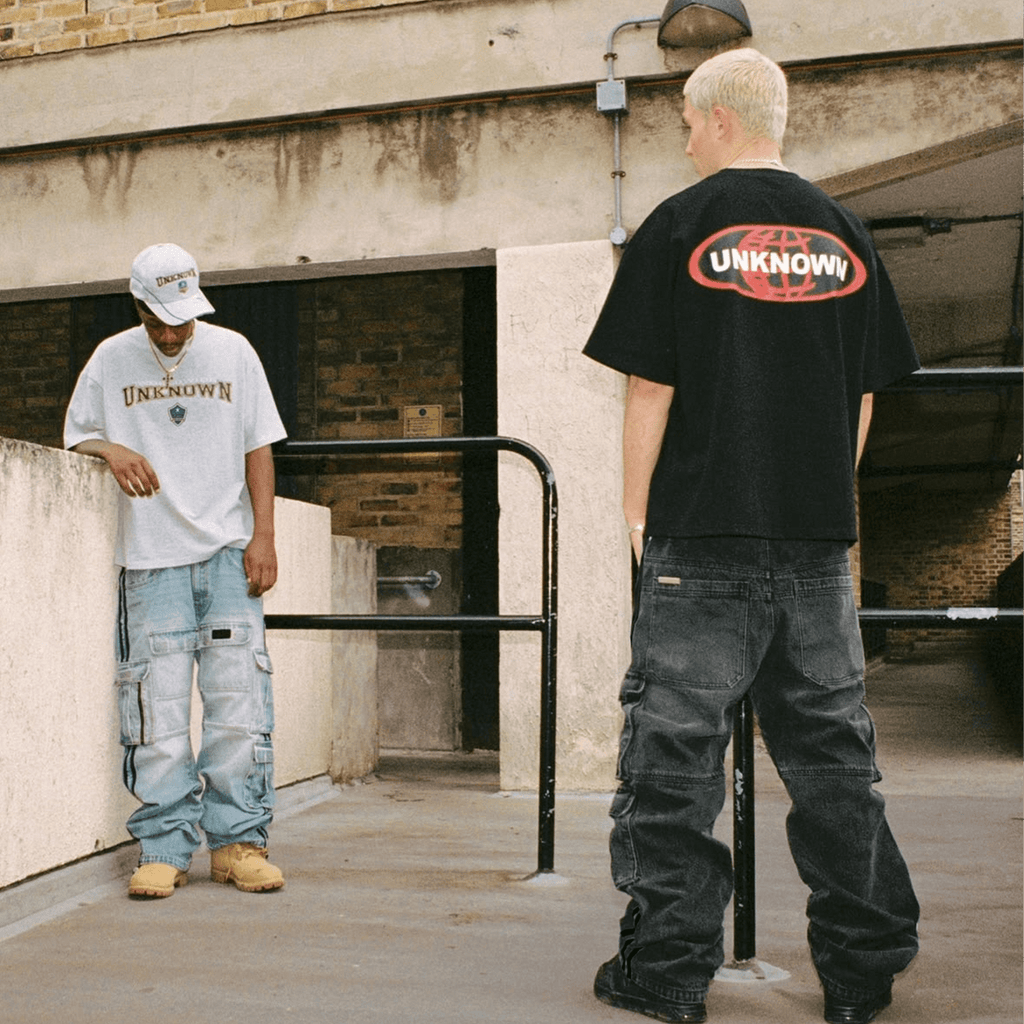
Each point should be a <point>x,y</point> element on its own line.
<point>480,707</point>
<point>268,315</point>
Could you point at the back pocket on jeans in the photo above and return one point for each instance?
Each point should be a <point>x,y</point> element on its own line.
<point>697,634</point>
<point>830,645</point>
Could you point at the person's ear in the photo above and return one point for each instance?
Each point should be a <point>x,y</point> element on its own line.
<point>719,120</point>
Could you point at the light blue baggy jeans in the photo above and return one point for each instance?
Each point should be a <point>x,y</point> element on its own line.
<point>170,620</point>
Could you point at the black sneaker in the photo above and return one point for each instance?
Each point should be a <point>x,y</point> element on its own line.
<point>843,1010</point>
<point>611,986</point>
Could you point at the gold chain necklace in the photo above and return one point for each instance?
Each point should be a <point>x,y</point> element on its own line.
<point>168,371</point>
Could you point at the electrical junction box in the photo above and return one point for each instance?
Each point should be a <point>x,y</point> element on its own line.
<point>611,97</point>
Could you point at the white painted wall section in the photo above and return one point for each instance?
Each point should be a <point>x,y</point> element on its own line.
<point>570,409</point>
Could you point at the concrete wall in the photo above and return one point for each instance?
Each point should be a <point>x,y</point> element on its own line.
<point>354,736</point>
<point>419,674</point>
<point>483,132</point>
<point>59,762</point>
<point>303,690</point>
<point>430,50</point>
<point>37,27</point>
<point>60,787</point>
<point>570,409</point>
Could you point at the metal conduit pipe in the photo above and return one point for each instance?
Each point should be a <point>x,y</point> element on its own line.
<point>611,99</point>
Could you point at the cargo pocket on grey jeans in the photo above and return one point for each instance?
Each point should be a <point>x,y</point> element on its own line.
<point>625,862</point>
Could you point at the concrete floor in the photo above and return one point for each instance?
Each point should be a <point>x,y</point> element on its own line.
<point>409,898</point>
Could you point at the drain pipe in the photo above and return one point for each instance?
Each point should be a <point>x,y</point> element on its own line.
<point>611,99</point>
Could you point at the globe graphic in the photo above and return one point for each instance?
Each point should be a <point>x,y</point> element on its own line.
<point>789,287</point>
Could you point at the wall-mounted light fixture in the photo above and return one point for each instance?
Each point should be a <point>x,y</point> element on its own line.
<point>702,23</point>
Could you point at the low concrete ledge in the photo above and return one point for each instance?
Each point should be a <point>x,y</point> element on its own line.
<point>62,798</point>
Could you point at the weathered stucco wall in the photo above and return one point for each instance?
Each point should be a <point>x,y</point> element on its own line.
<point>570,409</point>
<point>443,178</point>
<point>415,53</point>
<point>59,762</point>
<point>303,684</point>
<point>60,786</point>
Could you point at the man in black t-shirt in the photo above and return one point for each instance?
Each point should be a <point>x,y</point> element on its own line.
<point>754,320</point>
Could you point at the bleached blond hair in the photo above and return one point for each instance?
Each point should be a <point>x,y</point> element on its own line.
<point>747,83</point>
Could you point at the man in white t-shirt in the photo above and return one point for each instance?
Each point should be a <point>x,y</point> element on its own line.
<point>182,413</point>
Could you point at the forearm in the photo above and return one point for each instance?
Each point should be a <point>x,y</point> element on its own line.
<point>867,408</point>
<point>259,477</point>
<point>643,430</point>
<point>93,447</point>
<point>260,555</point>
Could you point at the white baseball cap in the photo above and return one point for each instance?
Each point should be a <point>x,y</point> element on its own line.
<point>166,278</point>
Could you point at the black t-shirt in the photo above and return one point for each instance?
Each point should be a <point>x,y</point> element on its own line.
<point>763,302</point>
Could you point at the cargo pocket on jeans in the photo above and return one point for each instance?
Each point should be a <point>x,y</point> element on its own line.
<point>629,697</point>
<point>624,859</point>
<point>259,784</point>
<point>133,702</point>
<point>264,693</point>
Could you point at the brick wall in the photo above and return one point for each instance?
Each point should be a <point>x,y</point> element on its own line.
<point>35,370</point>
<point>32,27</point>
<point>369,347</point>
<point>939,549</point>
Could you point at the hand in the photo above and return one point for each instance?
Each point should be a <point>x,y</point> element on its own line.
<point>131,470</point>
<point>260,565</point>
<point>636,538</point>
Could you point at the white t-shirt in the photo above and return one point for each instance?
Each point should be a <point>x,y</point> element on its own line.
<point>195,433</point>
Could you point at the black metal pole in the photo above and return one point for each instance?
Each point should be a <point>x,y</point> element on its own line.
<point>744,913</point>
<point>548,705</point>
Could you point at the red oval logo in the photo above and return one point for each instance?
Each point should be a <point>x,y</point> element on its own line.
<point>778,263</point>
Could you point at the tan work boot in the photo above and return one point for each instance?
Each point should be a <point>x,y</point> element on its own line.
<point>156,880</point>
<point>246,865</point>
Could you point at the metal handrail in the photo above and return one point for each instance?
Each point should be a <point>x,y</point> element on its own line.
<point>545,623</point>
<point>958,378</point>
<point>948,618</point>
<point>431,580</point>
